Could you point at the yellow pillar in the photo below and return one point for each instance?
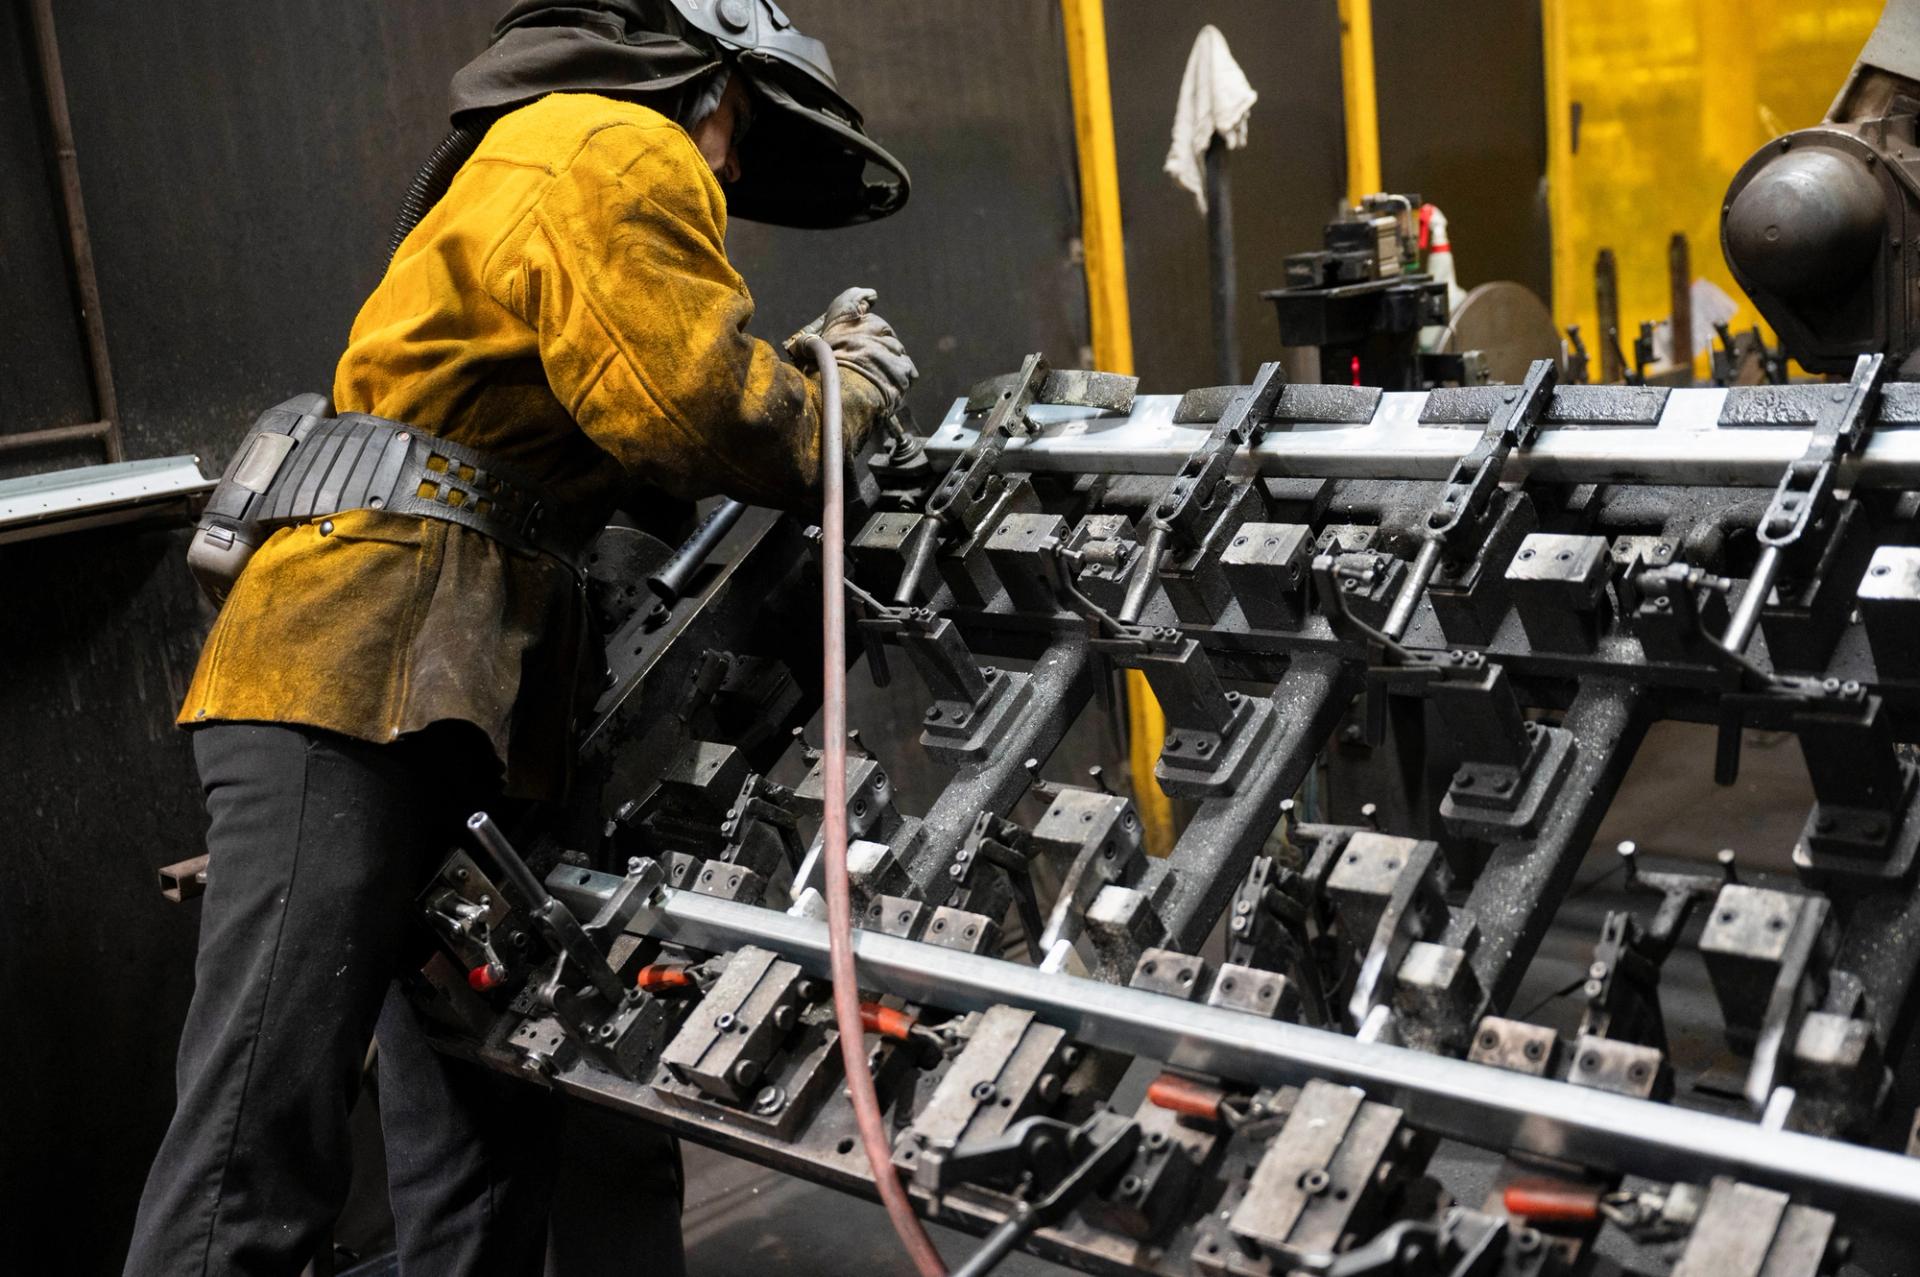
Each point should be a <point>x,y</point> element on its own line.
<point>1361,102</point>
<point>1572,279</point>
<point>1112,331</point>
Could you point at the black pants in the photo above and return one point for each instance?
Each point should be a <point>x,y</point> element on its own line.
<point>318,847</point>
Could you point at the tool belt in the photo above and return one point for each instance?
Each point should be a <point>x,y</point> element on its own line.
<point>299,463</point>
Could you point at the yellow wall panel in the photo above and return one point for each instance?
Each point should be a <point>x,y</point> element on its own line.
<point>1652,107</point>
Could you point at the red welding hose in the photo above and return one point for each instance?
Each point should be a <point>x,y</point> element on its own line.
<point>846,985</point>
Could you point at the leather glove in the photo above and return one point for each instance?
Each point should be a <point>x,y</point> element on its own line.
<point>862,342</point>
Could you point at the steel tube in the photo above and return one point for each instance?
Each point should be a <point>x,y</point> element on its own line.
<point>1407,601</point>
<point>1688,448</point>
<point>1220,264</point>
<point>55,435</point>
<point>507,860</point>
<point>1225,834</point>
<point>1516,895</point>
<point>671,581</point>
<point>926,540</point>
<point>1473,1103</point>
<point>1146,571</point>
<point>1746,616</point>
<point>1061,683</point>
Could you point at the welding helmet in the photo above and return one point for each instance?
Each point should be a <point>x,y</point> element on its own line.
<point>804,162</point>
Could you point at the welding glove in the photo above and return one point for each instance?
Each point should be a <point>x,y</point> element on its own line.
<point>862,342</point>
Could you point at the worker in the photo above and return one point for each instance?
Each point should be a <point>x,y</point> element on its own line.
<point>565,319</point>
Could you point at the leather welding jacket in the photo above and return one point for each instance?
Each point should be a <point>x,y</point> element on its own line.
<point>567,307</point>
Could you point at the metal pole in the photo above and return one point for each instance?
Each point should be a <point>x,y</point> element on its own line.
<point>59,434</point>
<point>671,581</point>
<point>1606,303</point>
<point>1226,340</point>
<point>1360,99</point>
<point>1680,289</point>
<point>1110,328</point>
<point>79,243</point>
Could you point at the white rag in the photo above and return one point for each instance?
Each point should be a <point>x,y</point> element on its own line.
<point>1215,98</point>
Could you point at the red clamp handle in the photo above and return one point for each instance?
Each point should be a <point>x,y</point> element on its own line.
<point>1552,1202</point>
<point>886,1021</point>
<point>1186,1097</point>
<point>662,976</point>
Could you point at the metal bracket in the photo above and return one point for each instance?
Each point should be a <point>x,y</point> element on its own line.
<point>1197,487</point>
<point>1806,490</point>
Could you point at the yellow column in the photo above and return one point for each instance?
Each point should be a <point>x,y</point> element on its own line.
<point>1362,104</point>
<point>1572,280</point>
<point>1106,265</point>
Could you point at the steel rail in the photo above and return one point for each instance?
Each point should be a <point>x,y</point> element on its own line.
<point>1687,447</point>
<point>1473,1103</point>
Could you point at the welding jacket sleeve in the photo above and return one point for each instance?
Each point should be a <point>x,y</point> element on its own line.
<point>621,269</point>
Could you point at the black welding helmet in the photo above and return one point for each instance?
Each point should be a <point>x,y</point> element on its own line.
<point>804,162</point>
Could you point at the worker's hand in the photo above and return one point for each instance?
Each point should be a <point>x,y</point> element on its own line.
<point>864,342</point>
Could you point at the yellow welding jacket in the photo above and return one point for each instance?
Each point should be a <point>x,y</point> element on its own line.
<point>806,161</point>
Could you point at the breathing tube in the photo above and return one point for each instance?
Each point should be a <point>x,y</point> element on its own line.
<point>431,182</point>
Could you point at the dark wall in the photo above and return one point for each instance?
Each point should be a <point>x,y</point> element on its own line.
<point>978,269</point>
<point>97,646</point>
<point>240,212</point>
<point>1285,182</point>
<point>1463,122</point>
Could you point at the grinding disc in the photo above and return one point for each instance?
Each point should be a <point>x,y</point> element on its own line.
<point>1507,324</point>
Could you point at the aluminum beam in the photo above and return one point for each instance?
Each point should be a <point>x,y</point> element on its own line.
<point>1688,446</point>
<point>1476,1104</point>
<point>42,505</point>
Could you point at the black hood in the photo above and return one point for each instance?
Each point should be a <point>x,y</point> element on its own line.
<point>804,161</point>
